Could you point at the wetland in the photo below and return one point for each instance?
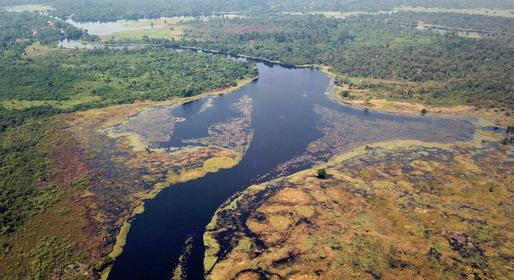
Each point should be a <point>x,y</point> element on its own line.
<point>282,123</point>
<point>147,149</point>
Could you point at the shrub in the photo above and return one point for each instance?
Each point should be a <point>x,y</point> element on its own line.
<point>322,173</point>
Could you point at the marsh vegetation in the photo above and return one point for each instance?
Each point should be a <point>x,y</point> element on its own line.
<point>100,114</point>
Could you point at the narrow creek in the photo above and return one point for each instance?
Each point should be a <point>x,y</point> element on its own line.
<point>290,112</point>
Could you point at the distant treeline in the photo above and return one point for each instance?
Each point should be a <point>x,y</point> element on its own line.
<point>487,24</point>
<point>108,10</point>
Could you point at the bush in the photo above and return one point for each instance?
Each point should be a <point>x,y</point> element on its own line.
<point>322,173</point>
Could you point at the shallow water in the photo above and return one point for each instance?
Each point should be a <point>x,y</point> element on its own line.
<point>291,110</point>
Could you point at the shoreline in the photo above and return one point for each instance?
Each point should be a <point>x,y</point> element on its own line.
<point>213,246</point>
<point>488,117</point>
<point>485,117</point>
<point>121,237</point>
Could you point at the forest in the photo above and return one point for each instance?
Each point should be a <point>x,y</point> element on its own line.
<point>78,80</point>
<point>18,30</point>
<point>33,89</point>
<point>442,68</point>
<point>425,58</point>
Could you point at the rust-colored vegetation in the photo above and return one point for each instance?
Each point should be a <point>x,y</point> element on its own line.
<point>384,212</point>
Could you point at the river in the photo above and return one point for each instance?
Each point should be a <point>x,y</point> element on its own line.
<point>291,111</point>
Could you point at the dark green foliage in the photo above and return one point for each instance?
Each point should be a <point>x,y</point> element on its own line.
<point>50,257</point>
<point>114,76</point>
<point>10,118</point>
<point>487,24</point>
<point>460,70</point>
<point>119,76</point>
<point>322,173</point>
<point>22,167</point>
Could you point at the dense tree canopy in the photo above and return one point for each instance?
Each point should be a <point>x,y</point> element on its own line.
<point>452,69</point>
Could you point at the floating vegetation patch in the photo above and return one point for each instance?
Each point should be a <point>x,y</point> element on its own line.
<point>343,131</point>
<point>235,133</point>
<point>127,168</point>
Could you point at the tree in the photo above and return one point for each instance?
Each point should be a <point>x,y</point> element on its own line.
<point>322,173</point>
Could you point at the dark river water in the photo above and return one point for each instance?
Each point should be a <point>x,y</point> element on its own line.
<point>285,122</point>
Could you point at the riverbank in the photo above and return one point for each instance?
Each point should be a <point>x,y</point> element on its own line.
<point>367,99</point>
<point>364,98</point>
<point>211,159</point>
<point>84,198</point>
